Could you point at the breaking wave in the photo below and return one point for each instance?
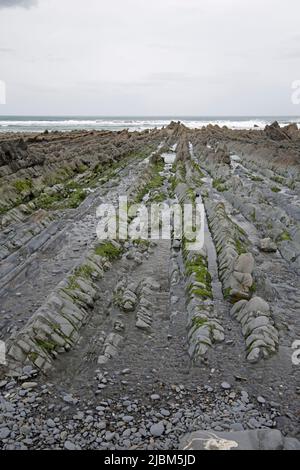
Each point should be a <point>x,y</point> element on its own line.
<point>15,124</point>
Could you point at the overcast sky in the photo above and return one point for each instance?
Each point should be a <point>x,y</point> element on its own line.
<point>149,57</point>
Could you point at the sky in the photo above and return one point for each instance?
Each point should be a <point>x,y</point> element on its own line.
<point>154,57</point>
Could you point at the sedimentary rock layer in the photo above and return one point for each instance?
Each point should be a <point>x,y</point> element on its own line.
<point>144,339</point>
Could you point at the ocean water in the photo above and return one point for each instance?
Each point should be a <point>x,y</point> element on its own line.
<point>68,123</point>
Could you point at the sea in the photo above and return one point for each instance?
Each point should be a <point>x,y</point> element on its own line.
<point>136,123</point>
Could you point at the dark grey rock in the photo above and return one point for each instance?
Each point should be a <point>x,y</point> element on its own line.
<point>68,445</point>
<point>157,429</point>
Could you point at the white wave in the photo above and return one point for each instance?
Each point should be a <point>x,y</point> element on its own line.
<point>133,124</point>
<point>243,125</point>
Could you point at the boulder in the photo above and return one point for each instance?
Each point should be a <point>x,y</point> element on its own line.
<point>222,155</point>
<point>267,245</point>
<point>258,305</point>
<point>245,263</point>
<point>275,132</point>
<point>262,439</point>
<point>292,130</point>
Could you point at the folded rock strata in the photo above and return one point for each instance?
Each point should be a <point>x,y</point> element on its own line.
<point>261,336</point>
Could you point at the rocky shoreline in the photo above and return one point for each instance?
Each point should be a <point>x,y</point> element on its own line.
<point>136,345</point>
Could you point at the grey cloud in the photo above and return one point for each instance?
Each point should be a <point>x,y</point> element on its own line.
<point>172,57</point>
<point>292,54</point>
<point>6,50</point>
<point>17,3</point>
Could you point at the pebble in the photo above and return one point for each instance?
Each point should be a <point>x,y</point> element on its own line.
<point>4,433</point>
<point>127,419</point>
<point>253,423</point>
<point>29,385</point>
<point>70,399</point>
<point>50,423</point>
<point>218,428</point>
<point>69,445</point>
<point>226,386</point>
<point>157,429</point>
<point>245,397</point>
<point>126,443</point>
<point>261,400</point>
<point>155,397</point>
<point>101,425</point>
<point>25,429</point>
<point>109,436</point>
<point>28,370</point>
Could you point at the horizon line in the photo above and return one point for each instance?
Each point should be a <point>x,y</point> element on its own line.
<point>154,115</point>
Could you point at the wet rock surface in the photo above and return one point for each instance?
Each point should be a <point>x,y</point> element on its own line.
<point>144,344</point>
<point>243,440</point>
